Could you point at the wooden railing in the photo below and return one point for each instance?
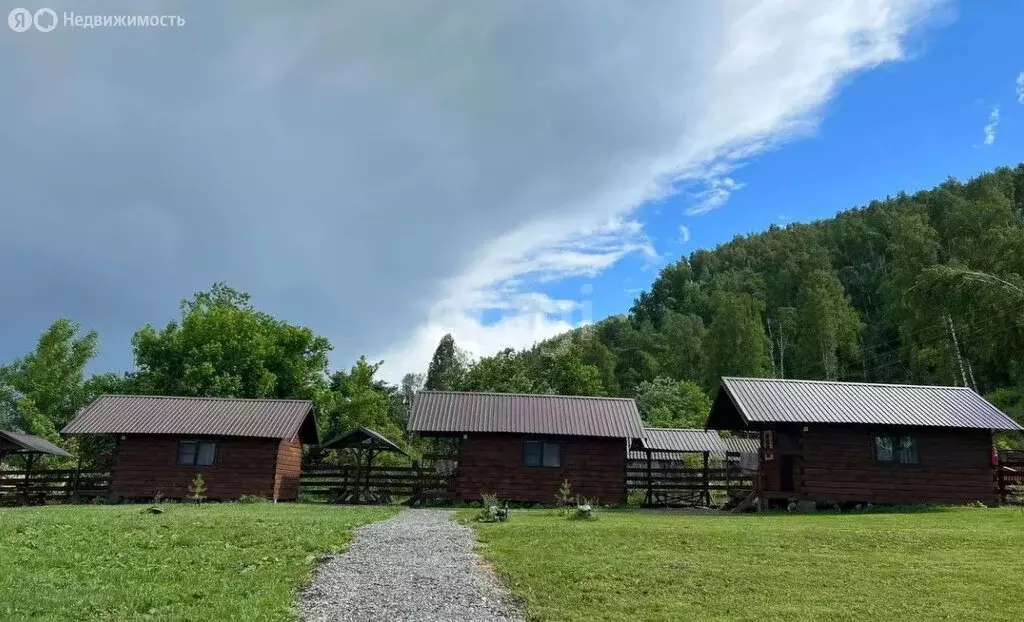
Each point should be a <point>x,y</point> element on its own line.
<point>665,485</point>
<point>379,484</point>
<point>37,487</point>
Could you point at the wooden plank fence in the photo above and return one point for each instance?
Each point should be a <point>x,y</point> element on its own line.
<point>379,484</point>
<point>1010,482</point>
<point>678,486</point>
<point>41,486</point>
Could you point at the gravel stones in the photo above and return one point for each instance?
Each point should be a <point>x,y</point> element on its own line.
<point>417,565</point>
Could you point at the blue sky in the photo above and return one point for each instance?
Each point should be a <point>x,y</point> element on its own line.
<point>387,172</point>
<point>904,126</point>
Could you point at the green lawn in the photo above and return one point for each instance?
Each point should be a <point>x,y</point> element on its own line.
<point>210,562</point>
<point>944,565</point>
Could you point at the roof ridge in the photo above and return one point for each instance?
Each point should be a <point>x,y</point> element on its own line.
<point>211,398</point>
<point>844,383</point>
<point>551,395</point>
<point>828,402</point>
<point>682,429</point>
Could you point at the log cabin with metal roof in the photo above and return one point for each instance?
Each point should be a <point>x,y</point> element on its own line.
<point>522,447</point>
<point>845,443</point>
<point>240,446</point>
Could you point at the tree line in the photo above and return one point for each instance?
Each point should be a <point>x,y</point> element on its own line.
<point>913,289</point>
<point>924,288</point>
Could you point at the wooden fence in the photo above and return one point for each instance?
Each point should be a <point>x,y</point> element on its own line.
<point>378,484</point>
<point>41,486</point>
<point>678,486</point>
<point>1010,481</point>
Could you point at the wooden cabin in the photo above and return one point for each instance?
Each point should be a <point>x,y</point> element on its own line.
<point>240,446</point>
<point>835,442</point>
<point>522,447</point>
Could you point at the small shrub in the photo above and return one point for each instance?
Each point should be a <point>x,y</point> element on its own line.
<point>585,510</point>
<point>197,491</point>
<point>492,510</point>
<point>564,498</point>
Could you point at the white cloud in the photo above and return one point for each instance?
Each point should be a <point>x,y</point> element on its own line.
<point>684,234</point>
<point>387,172</point>
<point>715,195</point>
<point>1020,88</point>
<point>990,127</point>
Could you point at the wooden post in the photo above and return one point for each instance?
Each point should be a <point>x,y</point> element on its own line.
<point>1001,483</point>
<point>707,480</point>
<point>356,476</point>
<point>728,476</point>
<point>369,467</point>
<point>74,482</point>
<point>649,499</point>
<point>417,488</point>
<point>27,482</point>
<point>344,481</point>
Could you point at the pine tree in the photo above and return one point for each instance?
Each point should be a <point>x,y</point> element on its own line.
<point>446,367</point>
<point>828,328</point>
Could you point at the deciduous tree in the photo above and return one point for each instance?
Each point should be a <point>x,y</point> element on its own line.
<point>223,346</point>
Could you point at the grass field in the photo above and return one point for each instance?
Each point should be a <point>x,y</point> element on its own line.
<point>210,562</point>
<point>942,565</point>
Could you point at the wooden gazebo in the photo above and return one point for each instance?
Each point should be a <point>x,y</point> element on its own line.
<point>31,447</point>
<point>17,444</point>
<point>366,445</point>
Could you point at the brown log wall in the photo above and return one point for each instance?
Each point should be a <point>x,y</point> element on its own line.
<point>289,467</point>
<point>838,465</point>
<point>147,464</point>
<point>493,463</point>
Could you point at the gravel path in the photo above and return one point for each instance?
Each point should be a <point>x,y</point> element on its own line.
<point>416,565</point>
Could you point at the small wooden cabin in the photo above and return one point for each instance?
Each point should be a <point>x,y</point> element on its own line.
<point>240,446</point>
<point>522,447</point>
<point>835,442</point>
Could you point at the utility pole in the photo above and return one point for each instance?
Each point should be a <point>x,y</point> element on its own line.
<point>956,348</point>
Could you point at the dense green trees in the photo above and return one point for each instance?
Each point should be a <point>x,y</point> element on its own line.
<point>736,342</point>
<point>222,346</point>
<point>41,392</point>
<point>667,403</point>
<point>925,288</point>
<point>828,328</point>
<point>356,399</point>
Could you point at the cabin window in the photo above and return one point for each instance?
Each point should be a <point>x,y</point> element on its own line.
<point>196,453</point>
<point>542,454</point>
<point>896,449</point>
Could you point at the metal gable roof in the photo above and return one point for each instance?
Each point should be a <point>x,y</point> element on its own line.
<point>683,440</point>
<point>763,400</point>
<point>363,438</point>
<point>454,412</point>
<point>28,444</point>
<point>741,445</point>
<point>213,416</point>
<point>674,441</point>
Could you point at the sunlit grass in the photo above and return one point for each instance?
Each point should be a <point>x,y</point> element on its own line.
<point>943,565</point>
<point>209,562</point>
